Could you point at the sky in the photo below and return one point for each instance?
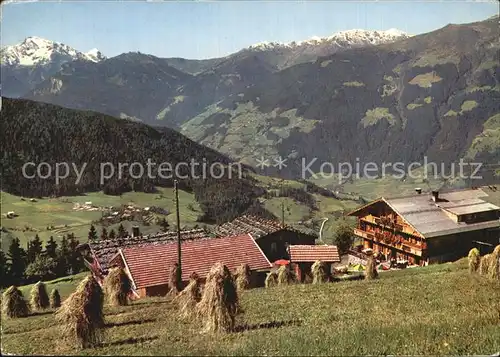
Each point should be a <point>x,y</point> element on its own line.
<point>203,29</point>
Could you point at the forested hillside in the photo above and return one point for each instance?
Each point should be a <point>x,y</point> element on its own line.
<point>37,132</point>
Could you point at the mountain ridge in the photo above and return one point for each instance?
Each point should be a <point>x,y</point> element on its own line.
<point>35,59</point>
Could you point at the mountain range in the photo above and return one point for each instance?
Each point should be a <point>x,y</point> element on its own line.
<point>29,63</point>
<point>374,95</point>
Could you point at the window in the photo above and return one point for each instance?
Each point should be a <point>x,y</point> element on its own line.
<point>274,247</point>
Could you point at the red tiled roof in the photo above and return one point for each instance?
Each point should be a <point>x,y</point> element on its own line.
<point>105,249</point>
<point>311,253</point>
<point>150,265</point>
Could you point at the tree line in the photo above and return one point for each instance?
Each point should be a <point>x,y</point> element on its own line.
<point>39,261</point>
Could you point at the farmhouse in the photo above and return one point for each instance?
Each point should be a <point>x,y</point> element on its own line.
<point>148,266</point>
<point>271,236</point>
<point>304,256</point>
<point>97,254</point>
<point>426,229</point>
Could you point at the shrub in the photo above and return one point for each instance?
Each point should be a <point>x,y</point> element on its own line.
<point>343,237</point>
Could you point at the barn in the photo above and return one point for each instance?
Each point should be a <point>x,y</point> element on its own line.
<point>302,257</point>
<point>148,266</point>
<point>98,253</point>
<point>272,236</point>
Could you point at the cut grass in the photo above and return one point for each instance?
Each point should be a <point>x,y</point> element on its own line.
<point>436,310</point>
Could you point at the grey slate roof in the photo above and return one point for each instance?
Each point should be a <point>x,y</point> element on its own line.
<point>430,219</point>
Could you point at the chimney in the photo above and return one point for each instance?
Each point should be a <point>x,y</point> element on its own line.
<point>418,190</point>
<point>435,196</point>
<point>135,231</point>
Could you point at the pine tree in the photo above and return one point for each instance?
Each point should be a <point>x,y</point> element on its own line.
<point>164,225</point>
<point>63,257</point>
<point>92,233</point>
<point>34,249</point>
<point>122,233</point>
<point>104,234</point>
<point>112,234</point>
<point>75,258</point>
<point>5,277</point>
<point>51,248</point>
<point>17,256</point>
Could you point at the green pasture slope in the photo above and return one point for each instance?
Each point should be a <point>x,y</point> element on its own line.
<point>436,310</point>
<point>34,217</point>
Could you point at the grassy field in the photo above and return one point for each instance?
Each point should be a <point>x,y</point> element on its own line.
<point>436,310</point>
<point>34,217</point>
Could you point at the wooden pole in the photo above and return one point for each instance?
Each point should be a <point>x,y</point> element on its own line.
<point>282,206</point>
<point>179,262</point>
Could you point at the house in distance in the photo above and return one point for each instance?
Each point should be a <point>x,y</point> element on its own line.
<point>272,236</point>
<point>425,229</point>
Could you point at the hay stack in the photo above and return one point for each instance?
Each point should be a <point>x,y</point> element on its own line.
<point>174,283</point>
<point>493,269</point>
<point>117,287</point>
<point>39,299</point>
<point>190,296</point>
<point>285,275</point>
<point>319,272</point>
<point>474,258</point>
<point>271,279</point>
<point>13,303</point>
<point>371,268</point>
<point>55,299</point>
<point>81,317</point>
<point>243,274</point>
<point>219,303</point>
<point>484,264</point>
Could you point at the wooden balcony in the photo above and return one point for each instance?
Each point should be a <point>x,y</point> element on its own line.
<point>398,227</point>
<point>363,234</point>
<point>392,241</point>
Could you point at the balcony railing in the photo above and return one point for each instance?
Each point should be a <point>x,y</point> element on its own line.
<point>396,226</point>
<point>392,241</point>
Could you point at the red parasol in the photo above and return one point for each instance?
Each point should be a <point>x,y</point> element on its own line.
<point>282,262</point>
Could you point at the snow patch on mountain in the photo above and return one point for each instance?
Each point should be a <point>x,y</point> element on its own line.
<point>349,38</point>
<point>34,51</point>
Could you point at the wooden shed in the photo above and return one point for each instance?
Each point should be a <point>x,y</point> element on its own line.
<point>271,236</point>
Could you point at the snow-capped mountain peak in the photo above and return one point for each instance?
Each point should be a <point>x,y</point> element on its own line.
<point>94,55</point>
<point>34,51</point>
<point>348,38</point>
